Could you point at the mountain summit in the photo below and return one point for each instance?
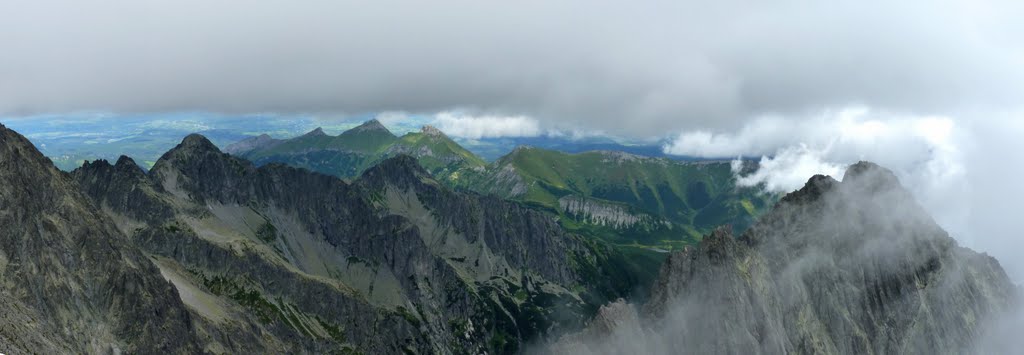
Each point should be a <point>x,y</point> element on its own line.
<point>432,131</point>
<point>73,283</point>
<point>847,267</point>
<point>278,259</point>
<point>316,132</point>
<point>357,149</point>
<point>371,125</point>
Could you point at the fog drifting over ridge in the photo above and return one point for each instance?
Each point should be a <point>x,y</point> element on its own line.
<point>959,170</point>
<point>844,267</point>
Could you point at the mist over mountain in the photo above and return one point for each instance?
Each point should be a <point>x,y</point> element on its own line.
<point>240,258</point>
<point>836,267</point>
<point>466,177</point>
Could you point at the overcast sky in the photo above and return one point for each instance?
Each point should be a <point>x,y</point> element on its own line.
<point>932,89</point>
<point>671,64</point>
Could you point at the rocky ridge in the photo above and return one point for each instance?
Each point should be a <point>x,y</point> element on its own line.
<point>71,281</point>
<point>836,267</point>
<point>437,271</point>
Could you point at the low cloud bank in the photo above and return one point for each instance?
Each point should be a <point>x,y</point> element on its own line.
<point>486,126</point>
<point>963,170</point>
<point>842,268</point>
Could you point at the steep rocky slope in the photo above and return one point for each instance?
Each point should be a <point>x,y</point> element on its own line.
<point>851,267</point>
<point>618,197</point>
<point>70,282</point>
<point>392,262</point>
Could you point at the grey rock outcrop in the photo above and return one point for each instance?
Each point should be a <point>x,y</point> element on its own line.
<point>70,282</point>
<point>392,262</point>
<point>851,267</point>
<point>603,213</point>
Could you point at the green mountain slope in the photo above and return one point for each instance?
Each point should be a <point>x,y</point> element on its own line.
<point>446,160</point>
<point>618,196</point>
<point>655,201</point>
<point>392,262</point>
<point>349,154</point>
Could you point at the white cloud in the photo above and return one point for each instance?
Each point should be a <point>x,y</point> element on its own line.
<point>758,137</point>
<point>486,126</point>
<point>964,170</point>
<point>660,66</point>
<point>924,149</point>
<point>392,118</point>
<point>790,168</point>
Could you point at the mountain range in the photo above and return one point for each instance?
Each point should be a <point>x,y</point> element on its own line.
<point>439,270</point>
<point>851,267</point>
<point>621,197</point>
<point>425,250</point>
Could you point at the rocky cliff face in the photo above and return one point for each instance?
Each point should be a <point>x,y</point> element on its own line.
<point>603,213</point>
<point>392,262</point>
<point>70,282</point>
<point>851,267</point>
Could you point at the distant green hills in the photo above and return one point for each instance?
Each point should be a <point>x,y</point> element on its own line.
<point>627,199</point>
<point>350,153</point>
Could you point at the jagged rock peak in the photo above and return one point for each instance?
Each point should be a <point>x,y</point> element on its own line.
<point>197,141</point>
<point>400,170</point>
<point>832,269</point>
<point>432,131</point>
<point>317,132</point>
<point>870,177</point>
<point>128,165</point>
<point>815,187</point>
<point>125,160</point>
<point>862,177</point>
<point>124,164</point>
<point>14,147</point>
<point>371,125</point>
<point>10,137</point>
<point>94,164</point>
<point>102,294</point>
<point>125,167</point>
<point>194,145</point>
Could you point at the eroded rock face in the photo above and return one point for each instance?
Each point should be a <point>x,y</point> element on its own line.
<point>393,262</point>
<point>220,231</point>
<point>70,282</point>
<point>603,213</point>
<point>851,267</point>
